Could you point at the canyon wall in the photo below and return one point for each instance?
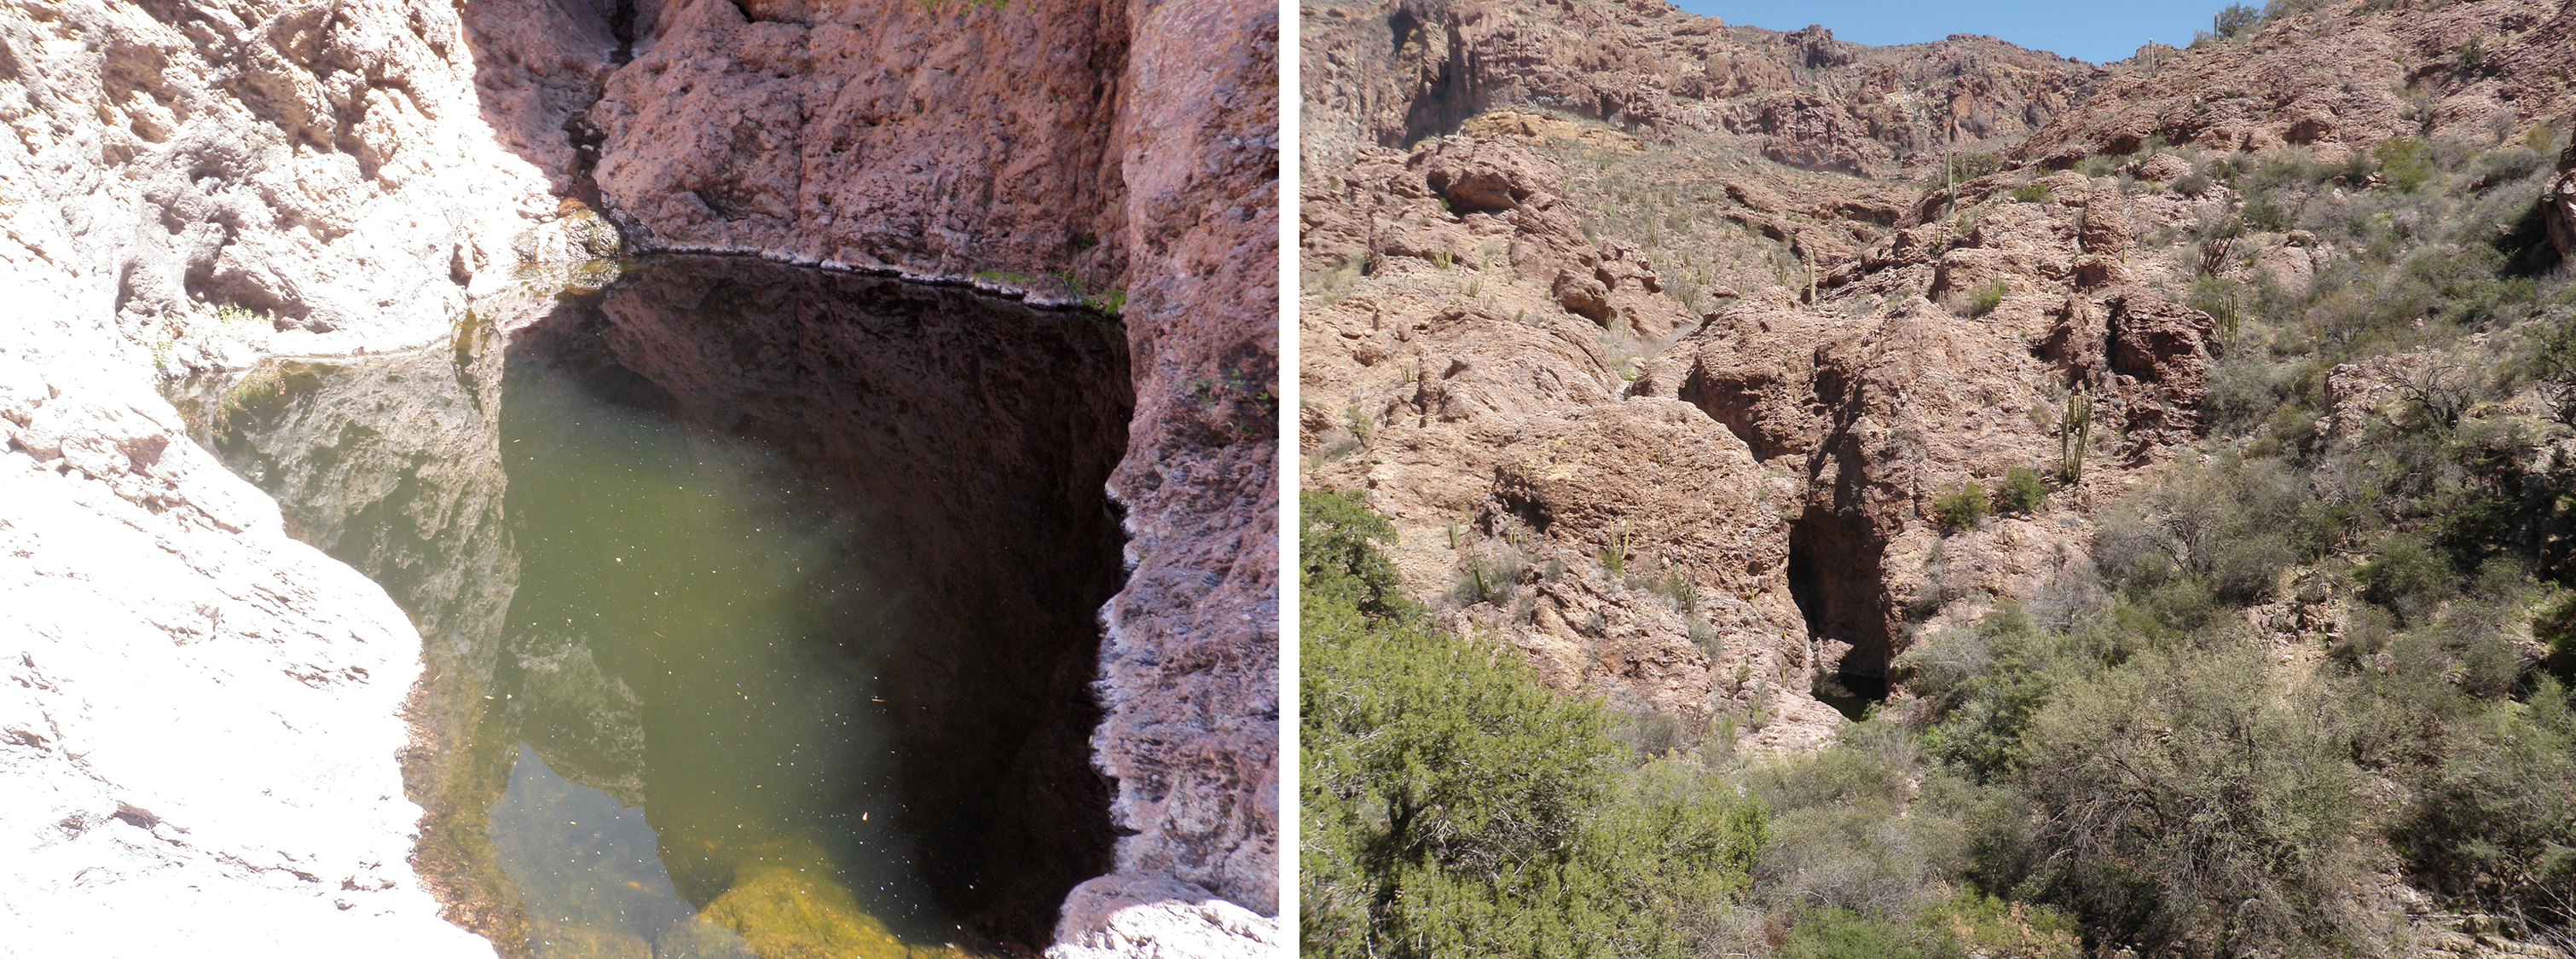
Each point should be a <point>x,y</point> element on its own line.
<point>1391,73</point>
<point>2335,79</point>
<point>1130,151</point>
<point>1668,406</point>
<point>202,714</point>
<point>204,183</point>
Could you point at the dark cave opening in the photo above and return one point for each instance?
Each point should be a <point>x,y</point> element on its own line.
<point>1834,579</point>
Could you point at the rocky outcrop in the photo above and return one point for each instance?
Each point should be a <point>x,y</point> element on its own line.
<point>1633,549</point>
<point>200,712</point>
<point>405,487</point>
<point>1392,73</point>
<point>1190,661</point>
<point>2334,79</point>
<point>2558,206</point>
<point>205,713</point>
<point>832,133</point>
<point>1465,343</point>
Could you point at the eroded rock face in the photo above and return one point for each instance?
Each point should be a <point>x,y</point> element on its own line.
<point>405,487</point>
<point>199,712</point>
<point>835,133</point>
<point>1631,549</point>
<point>1392,73</point>
<point>2334,79</point>
<point>230,694</point>
<point>328,168</point>
<point>1190,662</point>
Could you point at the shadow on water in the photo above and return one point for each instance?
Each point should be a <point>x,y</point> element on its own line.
<point>758,604</point>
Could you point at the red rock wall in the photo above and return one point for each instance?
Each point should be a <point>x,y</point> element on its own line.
<point>939,138</point>
<point>1132,145</point>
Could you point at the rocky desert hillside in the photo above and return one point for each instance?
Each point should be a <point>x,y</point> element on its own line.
<point>1917,418</point>
<point>197,185</point>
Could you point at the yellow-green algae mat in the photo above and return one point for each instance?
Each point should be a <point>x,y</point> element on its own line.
<point>595,887</point>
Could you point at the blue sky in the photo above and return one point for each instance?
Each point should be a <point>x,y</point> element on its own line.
<point>2089,31</point>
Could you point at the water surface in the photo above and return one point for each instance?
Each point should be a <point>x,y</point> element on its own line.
<point>758,602</point>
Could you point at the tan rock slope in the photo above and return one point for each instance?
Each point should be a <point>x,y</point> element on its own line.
<point>1388,74</point>
<point>1654,401</point>
<point>2334,77</point>
<point>1485,342</point>
<point>201,183</point>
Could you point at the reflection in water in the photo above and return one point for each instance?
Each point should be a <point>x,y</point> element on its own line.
<point>589,873</point>
<point>680,602</point>
<point>758,605</point>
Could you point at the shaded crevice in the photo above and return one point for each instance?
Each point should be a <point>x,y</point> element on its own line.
<point>1835,579</point>
<point>1448,98</point>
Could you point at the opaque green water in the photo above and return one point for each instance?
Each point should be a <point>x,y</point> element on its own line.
<point>675,595</point>
<point>757,604</point>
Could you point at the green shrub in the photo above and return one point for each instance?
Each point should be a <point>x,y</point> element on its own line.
<point>2034,193</point>
<point>1962,506</point>
<point>2185,804</point>
<point>1844,934</point>
<point>1489,575</point>
<point>1334,537</point>
<point>2021,491</point>
<point>1837,839</point>
<point>2407,577</point>
<point>235,315</point>
<point>2194,183</point>
<point>1985,925</point>
<point>1614,553</point>
<point>2235,19</point>
<point>2263,214</point>
<point>2403,165</point>
<point>1980,687</point>
<point>1969,166</point>
<point>2223,300</point>
<point>2276,9</point>
<point>1987,297</point>
<point>1451,806</point>
<point>2468,55</point>
<point>2556,629</point>
<point>2491,818</point>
